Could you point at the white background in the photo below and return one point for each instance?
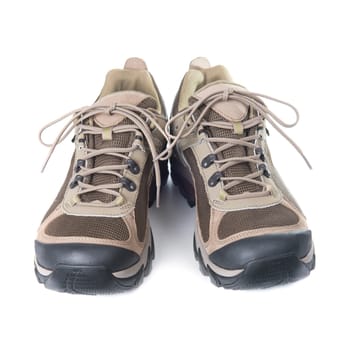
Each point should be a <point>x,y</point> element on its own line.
<point>54,56</point>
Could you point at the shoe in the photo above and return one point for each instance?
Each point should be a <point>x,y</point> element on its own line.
<point>250,231</point>
<point>96,237</point>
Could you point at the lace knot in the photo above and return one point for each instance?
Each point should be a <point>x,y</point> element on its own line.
<point>225,95</point>
<point>112,108</point>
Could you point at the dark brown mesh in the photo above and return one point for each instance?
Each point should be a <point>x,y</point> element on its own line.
<point>121,140</point>
<point>148,102</point>
<point>202,202</point>
<point>141,206</point>
<point>62,191</point>
<point>237,221</point>
<point>87,226</point>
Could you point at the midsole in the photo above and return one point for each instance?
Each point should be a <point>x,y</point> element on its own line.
<point>131,271</point>
<point>309,256</point>
<point>42,270</point>
<point>231,273</point>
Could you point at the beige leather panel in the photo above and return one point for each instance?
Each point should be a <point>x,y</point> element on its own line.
<point>214,243</point>
<point>132,243</point>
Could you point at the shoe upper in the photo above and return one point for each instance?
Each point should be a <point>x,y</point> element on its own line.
<point>104,199</point>
<point>219,129</point>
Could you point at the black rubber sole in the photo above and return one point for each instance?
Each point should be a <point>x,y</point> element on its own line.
<point>260,274</point>
<point>93,280</point>
<point>257,274</point>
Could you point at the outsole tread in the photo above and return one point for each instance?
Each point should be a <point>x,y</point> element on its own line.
<point>92,280</point>
<point>260,274</point>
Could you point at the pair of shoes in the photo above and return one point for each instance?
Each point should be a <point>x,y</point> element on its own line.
<point>250,232</point>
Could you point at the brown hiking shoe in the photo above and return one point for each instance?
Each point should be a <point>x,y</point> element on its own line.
<point>250,231</point>
<point>96,237</point>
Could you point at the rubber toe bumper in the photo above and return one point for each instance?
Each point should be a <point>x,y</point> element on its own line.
<point>89,268</point>
<point>238,254</point>
<point>112,258</point>
<point>260,262</point>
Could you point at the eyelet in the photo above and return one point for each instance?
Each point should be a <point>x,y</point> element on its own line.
<point>76,180</point>
<point>132,166</point>
<point>128,184</point>
<point>214,179</point>
<point>266,173</point>
<point>262,166</point>
<point>260,153</point>
<point>139,137</point>
<point>266,130</point>
<point>80,163</point>
<point>208,160</point>
<point>264,169</point>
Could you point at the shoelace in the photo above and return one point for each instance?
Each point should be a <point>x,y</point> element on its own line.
<point>255,102</point>
<point>142,119</point>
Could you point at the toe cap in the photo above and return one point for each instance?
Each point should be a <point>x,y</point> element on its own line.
<point>76,254</point>
<point>237,254</point>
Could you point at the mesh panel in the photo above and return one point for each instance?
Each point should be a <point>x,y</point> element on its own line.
<point>85,226</point>
<point>121,140</point>
<point>141,206</point>
<point>202,203</point>
<point>148,103</point>
<point>250,219</point>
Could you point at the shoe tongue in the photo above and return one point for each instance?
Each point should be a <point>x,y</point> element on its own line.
<point>230,110</point>
<point>235,112</point>
<point>134,98</point>
<point>119,140</point>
